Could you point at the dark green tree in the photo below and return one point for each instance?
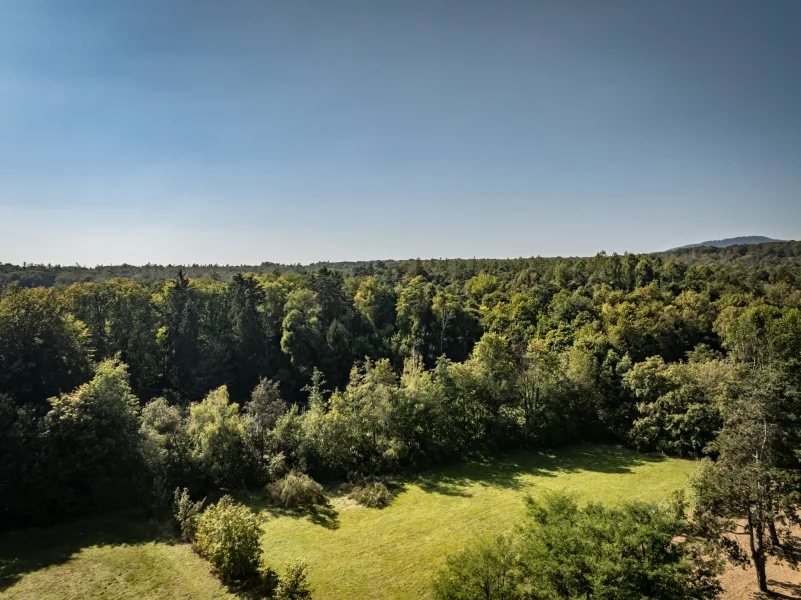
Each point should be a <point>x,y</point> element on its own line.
<point>248,338</point>
<point>44,349</point>
<point>754,480</point>
<point>181,337</point>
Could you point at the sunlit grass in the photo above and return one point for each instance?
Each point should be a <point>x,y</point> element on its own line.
<point>352,552</point>
<point>103,559</point>
<point>395,552</point>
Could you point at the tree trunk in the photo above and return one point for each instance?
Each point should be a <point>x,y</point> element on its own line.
<point>755,537</point>
<point>774,536</point>
<point>762,578</point>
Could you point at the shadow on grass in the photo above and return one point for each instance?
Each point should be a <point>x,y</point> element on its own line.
<point>325,516</point>
<point>29,550</point>
<point>508,470</point>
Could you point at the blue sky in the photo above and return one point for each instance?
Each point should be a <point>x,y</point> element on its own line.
<point>197,131</point>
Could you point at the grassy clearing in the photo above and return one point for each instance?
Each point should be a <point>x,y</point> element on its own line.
<point>352,552</point>
<point>103,559</point>
<point>356,552</point>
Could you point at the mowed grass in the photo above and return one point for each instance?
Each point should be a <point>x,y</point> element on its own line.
<point>126,557</point>
<point>396,552</point>
<point>352,552</point>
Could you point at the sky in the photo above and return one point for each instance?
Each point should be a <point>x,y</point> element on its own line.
<point>236,132</point>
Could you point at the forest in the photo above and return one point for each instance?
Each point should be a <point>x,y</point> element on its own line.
<point>156,386</point>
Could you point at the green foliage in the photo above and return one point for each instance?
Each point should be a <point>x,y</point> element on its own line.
<point>376,303</point>
<point>413,363</point>
<point>564,551</point>
<point>296,490</point>
<point>755,478</point>
<point>266,405</point>
<point>181,335</point>
<point>414,317</point>
<point>217,434</point>
<point>372,495</point>
<point>249,348</point>
<point>262,413</point>
<point>479,286</point>
<point>121,318</point>
<point>228,536</point>
<point>487,570</point>
<point>92,443</point>
<point>440,511</point>
<point>185,513</point>
<point>167,452</point>
<point>679,408</point>
<point>44,349</point>
<point>268,581</point>
<point>302,329</point>
<point>293,585</point>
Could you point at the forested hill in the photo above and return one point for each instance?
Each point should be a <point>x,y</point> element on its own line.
<point>155,380</point>
<point>752,255</point>
<point>735,241</point>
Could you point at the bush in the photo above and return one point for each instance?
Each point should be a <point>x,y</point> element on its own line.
<point>268,581</point>
<point>277,466</point>
<point>185,512</point>
<point>486,570</point>
<point>228,536</point>
<point>296,490</point>
<point>372,495</point>
<point>293,585</point>
<point>638,551</point>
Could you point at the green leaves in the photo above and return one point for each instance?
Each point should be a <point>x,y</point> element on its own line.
<point>302,329</point>
<point>229,536</point>
<point>217,433</point>
<point>564,551</point>
<point>44,349</point>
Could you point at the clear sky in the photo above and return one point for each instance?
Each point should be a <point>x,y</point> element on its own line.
<point>242,131</point>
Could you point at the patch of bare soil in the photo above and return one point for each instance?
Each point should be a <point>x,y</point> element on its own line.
<point>784,581</point>
<point>741,584</point>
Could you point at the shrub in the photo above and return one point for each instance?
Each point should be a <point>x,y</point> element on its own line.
<point>372,495</point>
<point>277,466</point>
<point>296,490</point>
<point>293,585</point>
<point>228,536</point>
<point>487,569</point>
<point>638,551</point>
<point>185,512</point>
<point>217,433</point>
<point>268,581</point>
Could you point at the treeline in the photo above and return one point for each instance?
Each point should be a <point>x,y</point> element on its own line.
<point>119,391</point>
<point>750,256</point>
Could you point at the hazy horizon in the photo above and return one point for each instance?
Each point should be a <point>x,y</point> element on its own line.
<point>347,260</point>
<point>198,132</point>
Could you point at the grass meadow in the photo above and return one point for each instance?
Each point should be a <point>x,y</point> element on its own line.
<point>352,552</point>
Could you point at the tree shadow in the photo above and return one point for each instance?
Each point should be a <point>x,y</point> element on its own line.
<point>779,589</point>
<point>324,515</point>
<point>784,589</point>
<point>510,471</point>
<point>597,458</point>
<point>27,550</point>
<point>446,485</point>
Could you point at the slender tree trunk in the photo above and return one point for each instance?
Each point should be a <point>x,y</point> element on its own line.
<point>755,537</point>
<point>774,536</point>
<point>762,578</point>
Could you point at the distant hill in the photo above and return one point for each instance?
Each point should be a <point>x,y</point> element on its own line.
<point>735,241</point>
